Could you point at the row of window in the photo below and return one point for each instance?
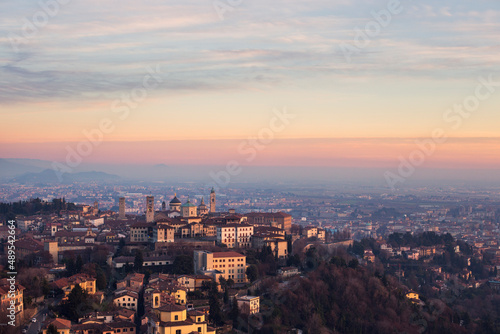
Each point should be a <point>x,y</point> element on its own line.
<point>229,265</point>
<point>178,331</point>
<point>126,304</point>
<point>229,260</point>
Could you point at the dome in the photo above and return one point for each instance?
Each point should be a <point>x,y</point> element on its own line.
<point>188,203</point>
<point>175,200</point>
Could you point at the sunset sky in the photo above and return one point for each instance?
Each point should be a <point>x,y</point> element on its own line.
<point>223,76</point>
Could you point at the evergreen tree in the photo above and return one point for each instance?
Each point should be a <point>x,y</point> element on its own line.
<point>76,305</point>
<point>252,273</point>
<point>138,260</point>
<point>100,279</point>
<point>183,265</point>
<point>216,316</point>
<point>79,264</point>
<point>52,329</point>
<point>234,313</point>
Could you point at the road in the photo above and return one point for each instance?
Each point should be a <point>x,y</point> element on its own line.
<point>34,327</point>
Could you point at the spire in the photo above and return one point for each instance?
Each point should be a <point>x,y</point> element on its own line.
<point>212,191</point>
<point>202,201</point>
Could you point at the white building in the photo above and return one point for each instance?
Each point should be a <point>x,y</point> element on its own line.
<point>235,235</point>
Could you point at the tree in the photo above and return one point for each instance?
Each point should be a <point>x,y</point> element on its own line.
<point>52,329</point>
<point>119,250</point>
<point>77,304</point>
<point>183,265</point>
<point>252,273</point>
<point>70,266</point>
<point>353,263</point>
<point>234,313</point>
<point>79,264</point>
<point>138,260</point>
<point>45,287</point>
<point>100,279</point>
<point>216,316</point>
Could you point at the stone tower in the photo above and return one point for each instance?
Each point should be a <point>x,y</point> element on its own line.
<point>150,209</point>
<point>212,200</point>
<point>53,248</point>
<point>121,210</point>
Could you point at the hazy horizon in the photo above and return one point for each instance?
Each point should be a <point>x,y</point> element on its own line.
<point>352,85</point>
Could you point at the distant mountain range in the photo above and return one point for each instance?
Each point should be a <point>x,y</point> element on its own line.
<point>50,176</point>
<point>10,168</point>
<point>40,171</point>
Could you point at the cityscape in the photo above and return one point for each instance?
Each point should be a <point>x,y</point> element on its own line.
<point>249,167</point>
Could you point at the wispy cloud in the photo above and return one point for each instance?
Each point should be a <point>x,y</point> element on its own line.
<point>283,52</point>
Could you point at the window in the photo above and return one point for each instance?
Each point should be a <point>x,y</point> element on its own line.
<point>199,319</point>
<point>176,317</point>
<point>199,329</point>
<point>178,331</point>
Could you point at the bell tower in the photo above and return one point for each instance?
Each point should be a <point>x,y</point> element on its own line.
<point>150,209</point>
<point>212,200</point>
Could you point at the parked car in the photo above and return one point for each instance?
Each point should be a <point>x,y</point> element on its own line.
<point>33,320</point>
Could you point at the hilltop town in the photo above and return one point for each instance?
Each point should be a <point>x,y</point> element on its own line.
<point>183,267</point>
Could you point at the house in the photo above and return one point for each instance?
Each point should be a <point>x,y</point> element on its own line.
<point>122,327</point>
<point>149,261</point>
<point>165,288</point>
<point>126,299</point>
<point>413,255</point>
<point>249,304</point>
<point>313,232</point>
<point>63,326</point>
<point>413,297</point>
<point>86,282</point>
<point>139,232</point>
<point>229,265</point>
<point>369,256</point>
<point>133,280</point>
<point>235,235</point>
<point>175,319</point>
<point>278,245</point>
<point>276,219</point>
<point>193,282</point>
<point>288,271</point>
<point>99,326</point>
<point>12,295</point>
<point>163,233</point>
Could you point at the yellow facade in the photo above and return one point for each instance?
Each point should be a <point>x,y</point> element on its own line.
<point>173,320</point>
<point>412,295</point>
<point>88,284</point>
<point>180,296</point>
<point>173,316</point>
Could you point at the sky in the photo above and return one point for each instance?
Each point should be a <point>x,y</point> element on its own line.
<point>207,82</point>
